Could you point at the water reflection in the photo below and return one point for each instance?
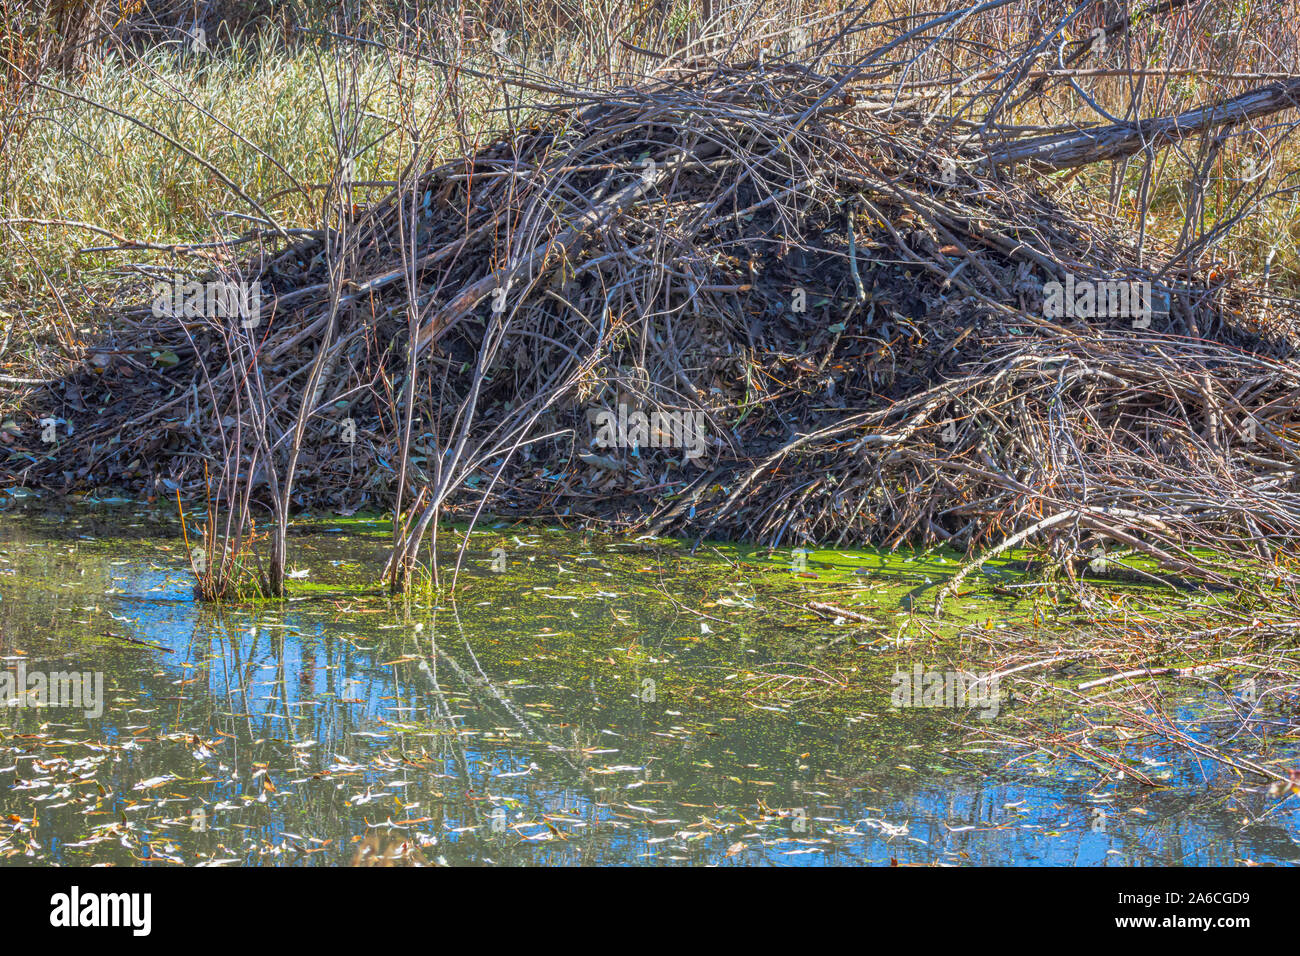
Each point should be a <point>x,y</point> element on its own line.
<point>573,715</point>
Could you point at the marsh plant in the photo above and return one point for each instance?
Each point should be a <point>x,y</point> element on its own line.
<point>222,556</point>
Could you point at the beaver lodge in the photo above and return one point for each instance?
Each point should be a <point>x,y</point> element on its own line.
<point>781,300</point>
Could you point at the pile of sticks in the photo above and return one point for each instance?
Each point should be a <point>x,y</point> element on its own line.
<point>851,299</point>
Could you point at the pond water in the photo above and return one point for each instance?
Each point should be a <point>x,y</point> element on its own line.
<point>580,701</point>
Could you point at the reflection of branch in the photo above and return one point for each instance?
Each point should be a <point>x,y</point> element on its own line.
<point>240,679</point>
<point>444,707</point>
<point>483,681</point>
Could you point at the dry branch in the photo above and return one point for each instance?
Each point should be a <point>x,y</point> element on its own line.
<point>1116,140</point>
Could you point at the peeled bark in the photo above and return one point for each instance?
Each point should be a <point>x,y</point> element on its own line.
<point>1097,144</point>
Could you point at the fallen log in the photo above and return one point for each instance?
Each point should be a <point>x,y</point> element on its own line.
<point>1097,144</point>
